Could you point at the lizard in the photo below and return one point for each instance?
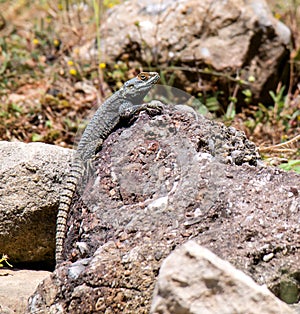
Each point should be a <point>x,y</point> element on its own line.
<point>123,104</point>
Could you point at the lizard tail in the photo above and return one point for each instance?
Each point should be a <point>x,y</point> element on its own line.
<point>64,206</point>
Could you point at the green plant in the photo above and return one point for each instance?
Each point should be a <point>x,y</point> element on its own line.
<point>279,102</point>
<point>99,7</point>
<point>4,259</point>
<point>291,165</point>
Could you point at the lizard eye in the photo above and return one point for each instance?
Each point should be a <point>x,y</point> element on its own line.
<point>131,86</point>
<point>143,77</point>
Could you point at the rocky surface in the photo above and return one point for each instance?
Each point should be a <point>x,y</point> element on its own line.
<point>30,179</point>
<point>15,288</point>
<point>193,280</point>
<point>158,183</point>
<point>235,38</point>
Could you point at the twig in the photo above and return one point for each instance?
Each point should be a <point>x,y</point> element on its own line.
<point>282,147</point>
<point>208,72</point>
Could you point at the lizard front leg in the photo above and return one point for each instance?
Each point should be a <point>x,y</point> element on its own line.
<point>127,110</point>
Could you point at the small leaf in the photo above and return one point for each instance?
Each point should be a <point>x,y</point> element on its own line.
<point>36,137</point>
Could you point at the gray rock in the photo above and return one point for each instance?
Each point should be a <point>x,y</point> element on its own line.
<point>30,179</point>
<point>193,280</point>
<point>230,37</point>
<point>160,182</point>
<point>16,286</point>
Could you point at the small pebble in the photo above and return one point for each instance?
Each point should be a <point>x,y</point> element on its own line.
<point>268,257</point>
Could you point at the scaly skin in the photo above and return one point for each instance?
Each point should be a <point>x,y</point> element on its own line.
<point>123,104</point>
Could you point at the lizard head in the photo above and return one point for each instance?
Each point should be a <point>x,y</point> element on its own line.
<point>137,88</point>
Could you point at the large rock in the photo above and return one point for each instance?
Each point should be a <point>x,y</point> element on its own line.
<point>193,280</point>
<point>158,183</point>
<point>235,38</point>
<point>31,176</point>
<point>16,286</point>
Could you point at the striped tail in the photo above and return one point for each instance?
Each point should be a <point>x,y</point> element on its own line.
<point>66,196</point>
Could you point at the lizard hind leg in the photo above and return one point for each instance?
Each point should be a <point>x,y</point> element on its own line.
<point>89,169</point>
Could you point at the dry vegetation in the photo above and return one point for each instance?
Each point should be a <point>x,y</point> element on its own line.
<point>46,90</point>
<point>276,129</point>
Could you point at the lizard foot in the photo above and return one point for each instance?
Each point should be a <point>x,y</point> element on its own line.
<point>154,107</point>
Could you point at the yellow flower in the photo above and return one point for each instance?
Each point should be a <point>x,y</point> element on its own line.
<point>35,41</point>
<point>60,7</point>
<point>56,42</point>
<point>73,71</point>
<point>251,79</point>
<point>70,63</point>
<point>277,16</point>
<point>110,3</point>
<point>119,84</point>
<point>102,65</point>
